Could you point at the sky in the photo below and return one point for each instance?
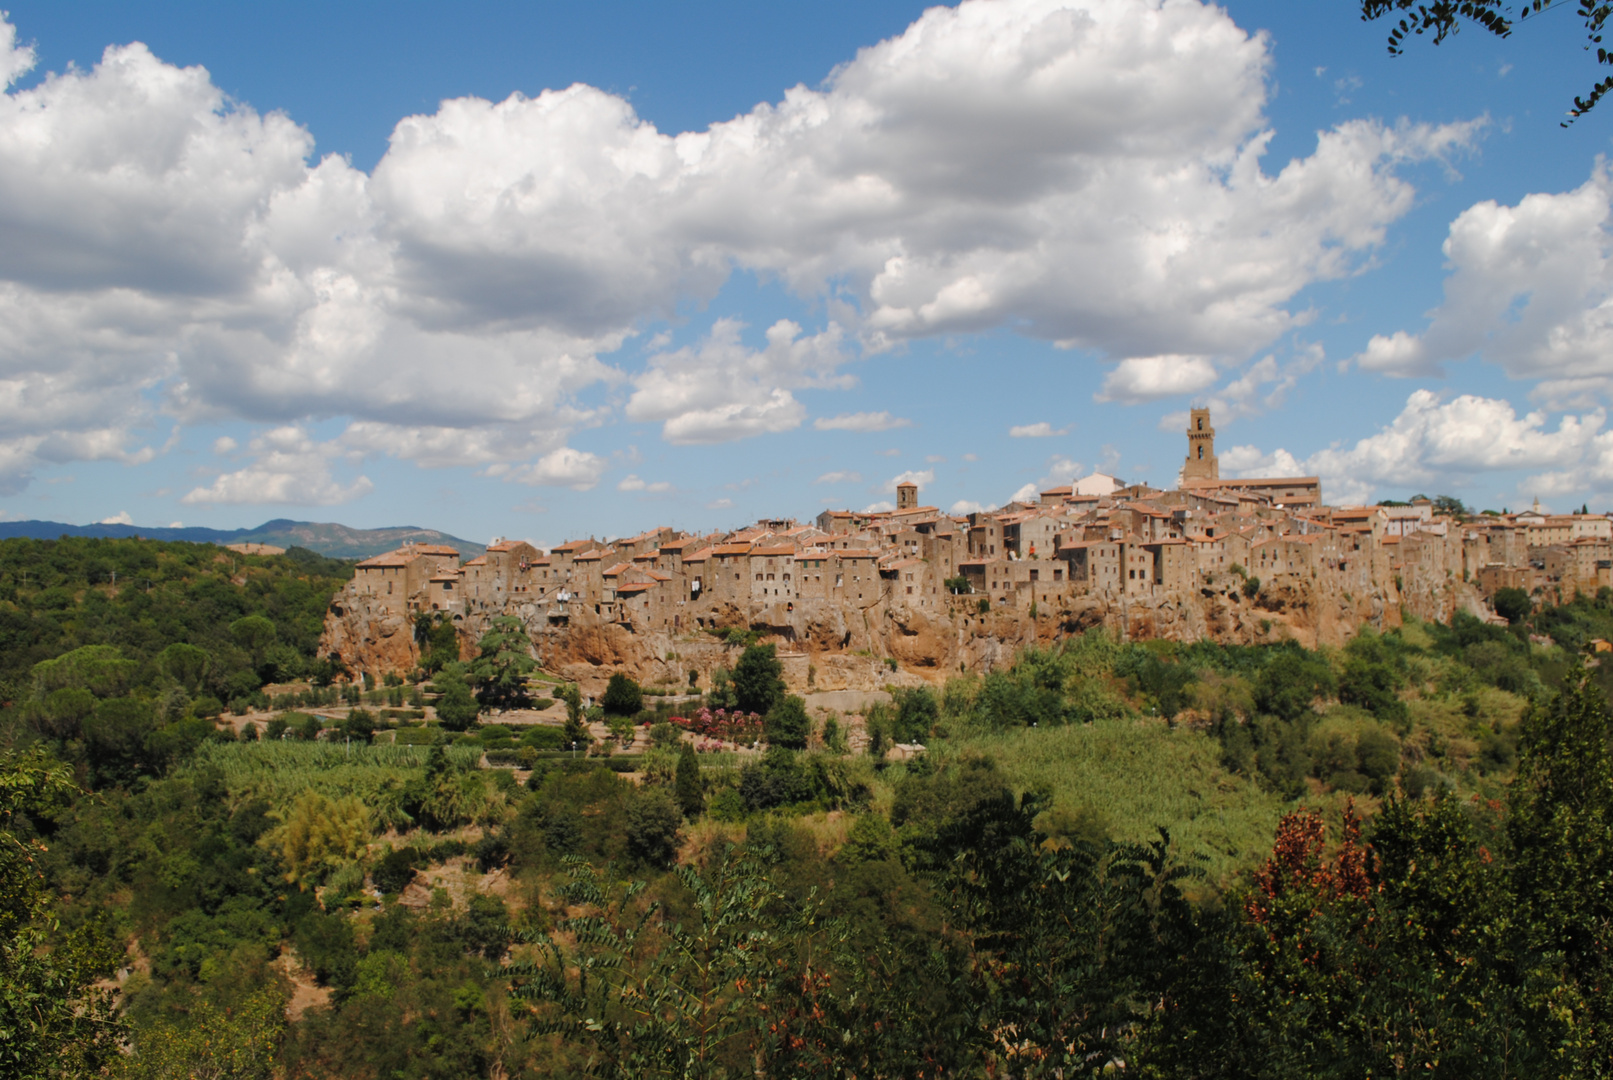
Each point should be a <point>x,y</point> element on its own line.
<point>549,271</point>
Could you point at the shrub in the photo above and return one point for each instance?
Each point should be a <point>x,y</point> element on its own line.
<point>622,697</point>
<point>759,679</point>
<point>1513,605</point>
<point>788,724</point>
<point>457,708</point>
<point>686,788</point>
<point>653,822</point>
<point>393,872</point>
<point>917,712</point>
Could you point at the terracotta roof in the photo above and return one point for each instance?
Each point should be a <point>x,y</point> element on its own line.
<point>778,550</point>
<point>678,545</point>
<point>731,549</point>
<point>854,553</point>
<point>590,556</point>
<point>646,556</point>
<point>635,587</point>
<point>480,560</point>
<point>391,558</point>
<point>572,546</point>
<point>618,568</point>
<point>507,545</point>
<point>898,564</point>
<point>659,575</point>
<point>700,556</point>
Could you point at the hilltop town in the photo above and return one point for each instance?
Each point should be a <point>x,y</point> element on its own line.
<point>861,599</point>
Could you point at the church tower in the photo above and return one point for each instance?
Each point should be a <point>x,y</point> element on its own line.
<point>1201,463</point>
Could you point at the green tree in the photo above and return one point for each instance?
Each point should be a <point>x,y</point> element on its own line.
<point>917,712</point>
<point>503,663</point>
<point>185,664</point>
<point>576,731</point>
<point>1561,827</point>
<point>622,697</point>
<point>758,679</point>
<point>456,707</point>
<point>653,822</point>
<point>639,994</point>
<point>256,635</point>
<point>1511,604</point>
<point>53,1021</point>
<point>788,723</point>
<point>686,787</point>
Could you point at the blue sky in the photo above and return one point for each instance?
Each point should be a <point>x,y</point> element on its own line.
<point>548,270</point>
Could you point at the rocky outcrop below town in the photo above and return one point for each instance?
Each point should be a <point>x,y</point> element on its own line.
<point>829,646</point>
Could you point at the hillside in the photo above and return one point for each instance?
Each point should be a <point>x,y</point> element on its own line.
<point>326,538</point>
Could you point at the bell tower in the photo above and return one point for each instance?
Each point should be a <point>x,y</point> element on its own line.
<point>1201,463</point>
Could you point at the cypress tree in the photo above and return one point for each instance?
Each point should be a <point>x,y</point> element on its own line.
<point>691,797</point>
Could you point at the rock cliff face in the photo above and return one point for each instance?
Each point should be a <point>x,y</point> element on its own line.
<point>827,646</point>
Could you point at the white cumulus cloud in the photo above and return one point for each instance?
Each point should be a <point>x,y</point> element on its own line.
<point>120,518</point>
<point>843,476</point>
<point>289,467</point>
<point>861,421</point>
<point>1039,430</point>
<point>631,482</point>
<point>1087,172</point>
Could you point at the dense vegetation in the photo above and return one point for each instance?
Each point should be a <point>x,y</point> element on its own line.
<point>1123,859</point>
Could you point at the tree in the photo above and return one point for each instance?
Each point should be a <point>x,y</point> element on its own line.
<point>788,723</point>
<point>759,679</point>
<point>1562,835</point>
<point>53,1021</point>
<point>318,835</point>
<point>255,634</point>
<point>622,697</point>
<point>456,708</point>
<point>1511,604</point>
<point>653,821</point>
<point>1441,19</point>
<point>503,663</point>
<point>576,730</point>
<point>185,664</point>
<point>686,787</point>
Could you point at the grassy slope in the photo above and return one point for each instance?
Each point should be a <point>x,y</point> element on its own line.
<point>1139,775</point>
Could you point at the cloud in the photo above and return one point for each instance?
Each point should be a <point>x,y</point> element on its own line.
<point>1145,378</point>
<point>861,421</point>
<point>1027,494</point>
<point>720,390</point>
<point>922,477</point>
<point>1530,289</point>
<point>1060,470</point>
<point>288,467</point>
<point>630,482</point>
<point>565,467</point>
<point>844,476</point>
<point>224,445</point>
<point>1436,442</point>
<point>719,504</point>
<point>966,506</point>
<point>880,507</point>
<point>1085,174</point>
<point>120,518</point>
<point>1040,430</point>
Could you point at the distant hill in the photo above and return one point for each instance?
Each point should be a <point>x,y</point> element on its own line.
<point>327,538</point>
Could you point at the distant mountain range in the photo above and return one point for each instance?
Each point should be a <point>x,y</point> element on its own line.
<point>327,538</point>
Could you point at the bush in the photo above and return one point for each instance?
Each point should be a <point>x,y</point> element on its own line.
<point>393,872</point>
<point>1513,605</point>
<point>457,708</point>
<point>788,724</point>
<point>1251,587</point>
<point>653,822</point>
<point>758,680</point>
<point>622,697</point>
<point>917,712</point>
